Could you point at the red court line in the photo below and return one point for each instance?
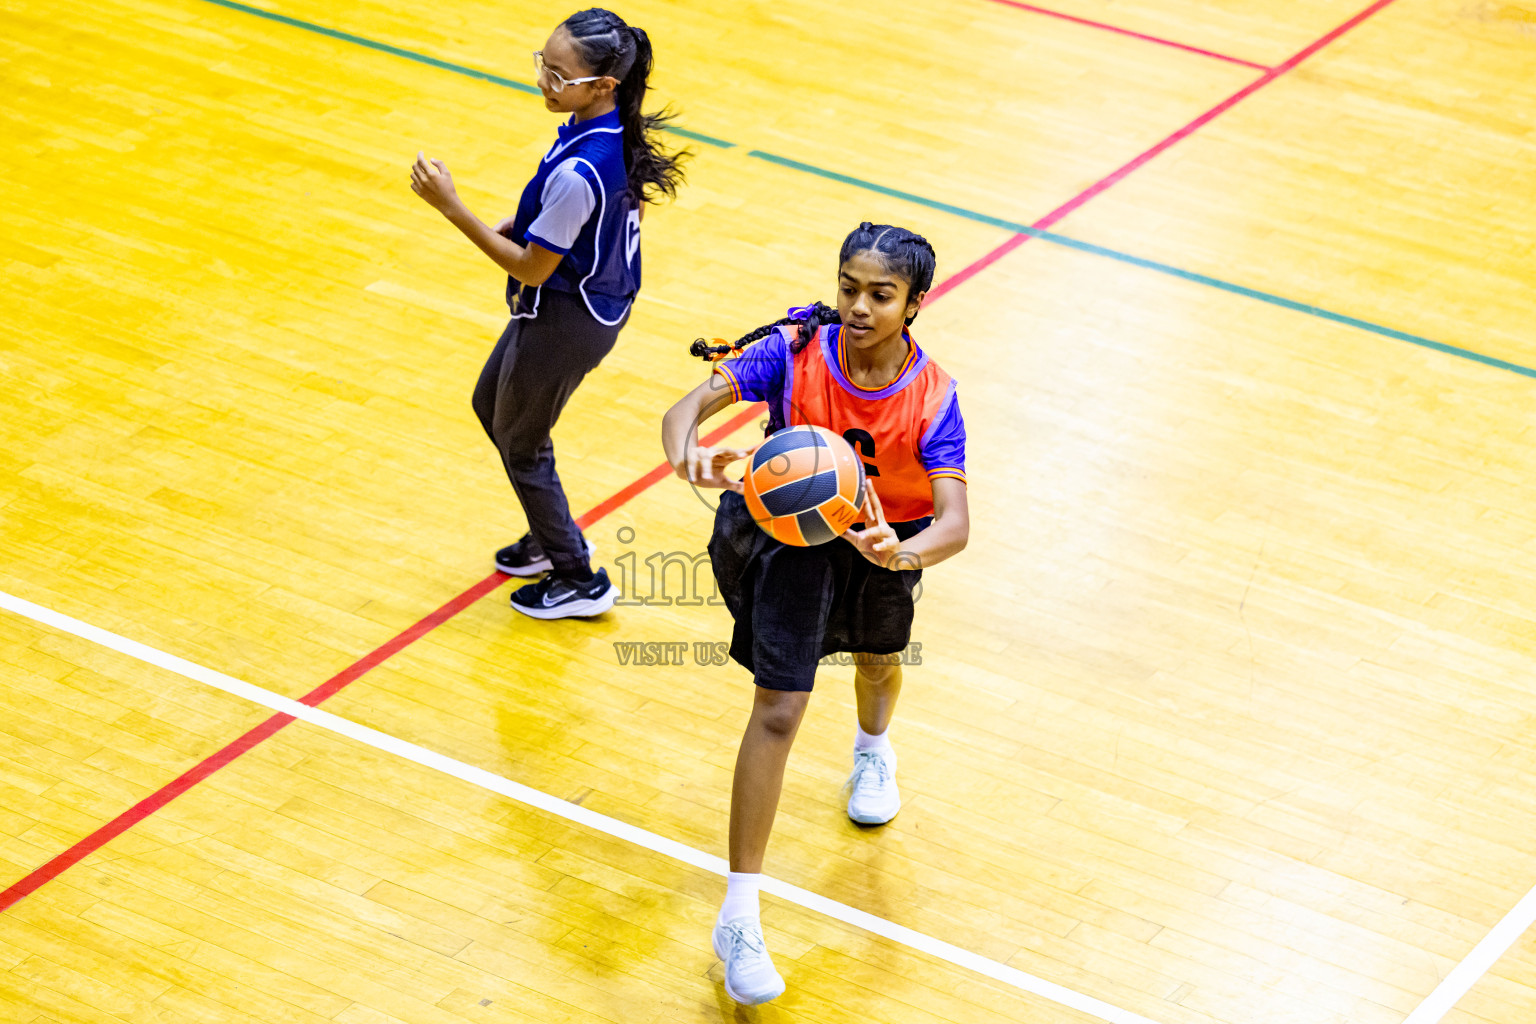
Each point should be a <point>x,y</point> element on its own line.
<point>1127,32</point>
<point>727,428</point>
<point>137,813</point>
<point>158,799</point>
<point>149,805</point>
<point>1117,175</point>
<point>314,698</point>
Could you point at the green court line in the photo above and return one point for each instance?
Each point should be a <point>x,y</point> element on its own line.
<point>421,58</point>
<point>689,133</point>
<point>347,37</point>
<point>869,186</point>
<point>1279,300</point>
<point>932,204</point>
<point>1137,261</point>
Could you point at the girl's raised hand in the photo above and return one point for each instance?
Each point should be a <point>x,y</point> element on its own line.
<point>877,541</point>
<point>705,467</point>
<point>430,180</point>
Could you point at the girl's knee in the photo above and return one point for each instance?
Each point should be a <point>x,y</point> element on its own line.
<point>778,712</point>
<point>878,669</point>
<point>519,457</point>
<point>521,452</point>
<point>485,411</point>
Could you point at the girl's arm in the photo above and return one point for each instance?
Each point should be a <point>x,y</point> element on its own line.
<point>944,537</point>
<point>704,467</point>
<point>531,264</point>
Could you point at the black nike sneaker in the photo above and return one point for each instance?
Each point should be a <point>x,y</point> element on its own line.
<point>526,558</point>
<point>557,597</point>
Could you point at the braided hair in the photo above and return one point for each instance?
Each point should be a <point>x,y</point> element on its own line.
<point>613,48</point>
<point>904,253</point>
<point>810,319</point>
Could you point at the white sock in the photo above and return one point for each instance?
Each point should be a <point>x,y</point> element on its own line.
<point>740,896</point>
<point>879,741</point>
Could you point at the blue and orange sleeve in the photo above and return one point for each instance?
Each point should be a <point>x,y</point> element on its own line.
<point>757,375</point>
<point>727,374</point>
<point>943,447</point>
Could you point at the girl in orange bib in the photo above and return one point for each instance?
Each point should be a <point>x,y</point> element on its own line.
<point>857,371</point>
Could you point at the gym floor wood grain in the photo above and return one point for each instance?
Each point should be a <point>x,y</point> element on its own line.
<point>1223,718</point>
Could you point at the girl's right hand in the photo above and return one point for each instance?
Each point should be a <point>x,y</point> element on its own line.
<point>505,224</point>
<point>705,467</point>
<point>430,180</point>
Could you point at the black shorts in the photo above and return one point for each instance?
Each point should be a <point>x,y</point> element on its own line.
<point>794,606</point>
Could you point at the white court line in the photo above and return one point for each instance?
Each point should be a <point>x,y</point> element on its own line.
<point>1477,963</point>
<point>1010,976</point>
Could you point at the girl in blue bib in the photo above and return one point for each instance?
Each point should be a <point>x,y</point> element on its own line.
<point>572,257</point>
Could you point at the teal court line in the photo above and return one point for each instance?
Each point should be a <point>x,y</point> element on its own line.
<point>421,58</point>
<point>1162,268</point>
<point>932,204</point>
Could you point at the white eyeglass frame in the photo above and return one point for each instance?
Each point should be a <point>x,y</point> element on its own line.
<point>557,81</point>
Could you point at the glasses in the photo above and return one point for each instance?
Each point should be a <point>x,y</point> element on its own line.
<point>557,81</point>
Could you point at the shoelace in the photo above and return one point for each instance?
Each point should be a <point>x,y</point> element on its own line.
<point>870,762</point>
<point>747,946</point>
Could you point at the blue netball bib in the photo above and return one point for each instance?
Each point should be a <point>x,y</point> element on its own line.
<point>578,204</point>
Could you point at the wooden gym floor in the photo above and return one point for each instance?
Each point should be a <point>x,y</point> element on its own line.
<point>1225,716</point>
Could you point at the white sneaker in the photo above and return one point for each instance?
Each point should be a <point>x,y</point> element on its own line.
<point>875,799</point>
<point>749,975</point>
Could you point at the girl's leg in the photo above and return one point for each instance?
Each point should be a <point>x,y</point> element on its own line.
<point>785,603</point>
<point>750,976</point>
<point>876,683</point>
<point>551,356</point>
<point>524,557</point>
<point>484,399</point>
<point>759,778</point>
<point>876,686</point>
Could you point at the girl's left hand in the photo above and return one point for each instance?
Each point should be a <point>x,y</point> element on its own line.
<point>430,180</point>
<point>877,541</point>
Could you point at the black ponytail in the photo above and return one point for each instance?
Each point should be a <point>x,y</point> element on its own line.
<point>810,319</point>
<point>610,47</point>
